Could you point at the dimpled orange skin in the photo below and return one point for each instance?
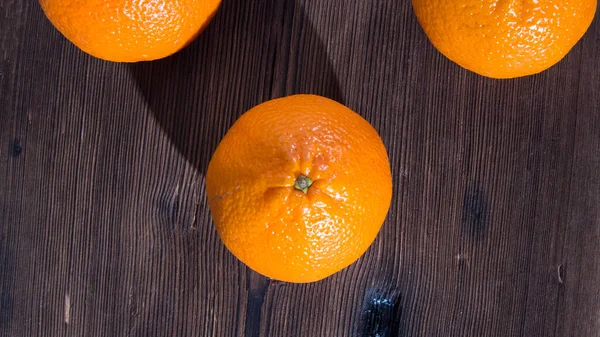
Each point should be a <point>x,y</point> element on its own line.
<point>130,30</point>
<point>278,230</point>
<point>505,38</point>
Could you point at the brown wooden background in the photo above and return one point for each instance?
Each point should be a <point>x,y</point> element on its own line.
<point>494,228</point>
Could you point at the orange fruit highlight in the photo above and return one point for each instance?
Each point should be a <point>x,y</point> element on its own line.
<point>129,30</point>
<point>299,188</point>
<point>505,38</point>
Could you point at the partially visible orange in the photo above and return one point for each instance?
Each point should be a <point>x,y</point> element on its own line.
<point>505,38</point>
<point>299,188</point>
<point>130,30</point>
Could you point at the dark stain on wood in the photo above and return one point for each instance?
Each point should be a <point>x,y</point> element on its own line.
<point>381,314</point>
<point>15,148</point>
<point>257,290</point>
<point>475,211</point>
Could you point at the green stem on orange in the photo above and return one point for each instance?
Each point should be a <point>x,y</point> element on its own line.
<point>303,183</point>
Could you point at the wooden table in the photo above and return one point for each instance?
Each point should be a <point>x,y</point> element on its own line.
<point>494,228</point>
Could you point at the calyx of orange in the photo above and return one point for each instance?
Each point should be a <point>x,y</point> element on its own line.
<point>303,183</point>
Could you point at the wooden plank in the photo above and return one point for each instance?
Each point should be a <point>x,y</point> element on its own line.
<point>579,304</point>
<point>105,229</point>
<point>12,134</point>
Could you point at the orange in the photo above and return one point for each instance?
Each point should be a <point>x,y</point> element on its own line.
<point>299,188</point>
<point>505,38</point>
<point>130,30</point>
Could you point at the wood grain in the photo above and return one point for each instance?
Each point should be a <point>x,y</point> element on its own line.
<point>494,228</point>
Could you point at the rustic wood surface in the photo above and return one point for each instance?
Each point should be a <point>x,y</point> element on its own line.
<point>494,228</point>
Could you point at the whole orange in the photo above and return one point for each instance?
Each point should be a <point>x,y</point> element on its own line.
<point>505,38</point>
<point>130,30</point>
<point>299,188</point>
